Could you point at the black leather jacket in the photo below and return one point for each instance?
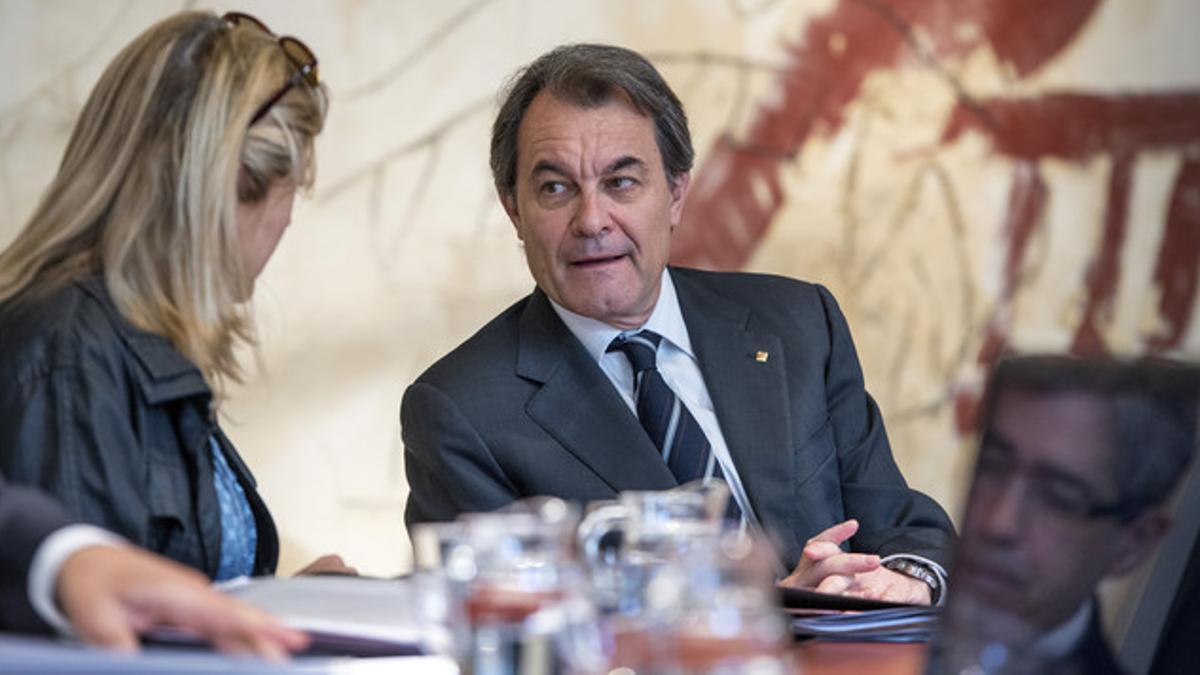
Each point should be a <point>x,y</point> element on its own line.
<point>115,423</point>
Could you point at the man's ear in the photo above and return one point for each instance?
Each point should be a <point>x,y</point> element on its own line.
<point>679,189</point>
<point>1140,538</point>
<point>509,202</point>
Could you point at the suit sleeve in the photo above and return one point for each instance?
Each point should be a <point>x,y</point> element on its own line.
<point>449,467</point>
<point>26,519</point>
<point>893,518</point>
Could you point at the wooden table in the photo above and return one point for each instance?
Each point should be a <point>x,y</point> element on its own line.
<point>637,651</point>
<point>877,658</point>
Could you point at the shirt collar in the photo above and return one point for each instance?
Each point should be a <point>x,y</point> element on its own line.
<point>666,320</point>
<point>1059,642</point>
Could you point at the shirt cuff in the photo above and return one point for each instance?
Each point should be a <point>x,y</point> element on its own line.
<point>49,559</point>
<point>939,573</point>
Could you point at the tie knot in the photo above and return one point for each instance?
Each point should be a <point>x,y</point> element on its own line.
<point>640,348</point>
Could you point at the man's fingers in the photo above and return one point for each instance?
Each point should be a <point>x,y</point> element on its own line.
<point>187,603</point>
<point>838,533</point>
<point>293,640</point>
<point>275,642</point>
<point>813,574</point>
<point>823,558</point>
<point>820,550</point>
<point>266,637</point>
<point>106,624</point>
<point>110,594</point>
<point>834,585</point>
<point>328,564</point>
<point>899,588</point>
<point>250,635</point>
<point>251,645</point>
<point>847,563</point>
<point>235,627</point>
<point>884,584</point>
<point>269,650</point>
<point>855,591</point>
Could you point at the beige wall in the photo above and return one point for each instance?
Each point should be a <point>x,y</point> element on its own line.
<point>402,251</point>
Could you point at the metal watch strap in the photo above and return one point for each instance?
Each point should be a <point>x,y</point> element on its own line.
<point>916,570</point>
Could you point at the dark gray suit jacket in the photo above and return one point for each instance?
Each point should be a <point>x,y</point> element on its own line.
<point>521,409</point>
<point>27,517</point>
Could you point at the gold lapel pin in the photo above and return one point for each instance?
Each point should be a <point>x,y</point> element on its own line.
<point>761,357</point>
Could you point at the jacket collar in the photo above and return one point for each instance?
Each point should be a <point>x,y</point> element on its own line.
<point>163,373</point>
<point>581,409</point>
<point>666,320</point>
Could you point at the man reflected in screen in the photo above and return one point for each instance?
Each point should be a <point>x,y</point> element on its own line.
<point>1077,462</point>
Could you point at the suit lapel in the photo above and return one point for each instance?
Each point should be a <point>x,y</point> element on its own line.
<point>579,407</point>
<point>749,391</point>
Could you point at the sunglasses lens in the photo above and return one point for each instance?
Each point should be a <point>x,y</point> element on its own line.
<point>239,19</point>
<point>303,57</point>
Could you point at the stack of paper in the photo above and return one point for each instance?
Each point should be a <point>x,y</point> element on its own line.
<point>899,624</point>
<point>840,617</point>
<point>22,655</point>
<point>344,615</point>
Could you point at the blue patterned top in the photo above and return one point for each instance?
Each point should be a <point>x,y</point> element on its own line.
<point>239,534</point>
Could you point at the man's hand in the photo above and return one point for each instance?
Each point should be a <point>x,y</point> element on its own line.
<point>111,594</point>
<point>824,567</point>
<point>885,584</point>
<point>328,564</point>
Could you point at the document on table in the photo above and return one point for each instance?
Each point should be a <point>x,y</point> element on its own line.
<point>44,656</point>
<point>353,616</point>
<point>897,624</point>
<point>801,599</point>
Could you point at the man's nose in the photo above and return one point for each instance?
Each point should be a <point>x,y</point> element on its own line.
<point>591,217</point>
<point>1000,510</point>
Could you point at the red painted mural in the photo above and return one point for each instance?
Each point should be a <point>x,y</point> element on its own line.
<point>727,217</point>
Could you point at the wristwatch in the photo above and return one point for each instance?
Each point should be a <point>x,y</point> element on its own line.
<point>914,569</point>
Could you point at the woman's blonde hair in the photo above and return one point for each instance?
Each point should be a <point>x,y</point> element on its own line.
<point>148,188</point>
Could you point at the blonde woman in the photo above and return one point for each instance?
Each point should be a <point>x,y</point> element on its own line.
<point>121,301</point>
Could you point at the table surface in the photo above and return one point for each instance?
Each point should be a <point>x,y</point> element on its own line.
<point>879,658</point>
<point>43,655</point>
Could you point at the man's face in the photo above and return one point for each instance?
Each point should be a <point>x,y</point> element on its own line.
<point>1028,549</point>
<point>593,207</point>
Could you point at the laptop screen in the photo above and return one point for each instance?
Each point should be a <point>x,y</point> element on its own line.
<point>1076,461</point>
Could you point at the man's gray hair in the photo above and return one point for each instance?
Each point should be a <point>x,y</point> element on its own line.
<point>590,75</point>
<point>1153,405</point>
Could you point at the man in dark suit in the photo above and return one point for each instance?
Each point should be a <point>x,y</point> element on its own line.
<point>1076,467</point>
<point>79,579</point>
<point>613,375</point>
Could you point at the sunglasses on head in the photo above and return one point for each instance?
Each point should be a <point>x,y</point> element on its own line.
<point>296,51</point>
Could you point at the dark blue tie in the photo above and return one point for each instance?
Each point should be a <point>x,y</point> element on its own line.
<point>664,417</point>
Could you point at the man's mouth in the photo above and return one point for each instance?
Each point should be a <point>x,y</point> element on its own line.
<point>990,579</point>
<point>595,261</point>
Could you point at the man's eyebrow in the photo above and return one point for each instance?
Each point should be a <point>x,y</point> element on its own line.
<point>1063,477</point>
<point>1045,471</point>
<point>996,441</point>
<point>624,163</point>
<point>547,165</point>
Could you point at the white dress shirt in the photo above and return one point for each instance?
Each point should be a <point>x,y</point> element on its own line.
<point>1061,641</point>
<point>679,368</point>
<point>48,560</point>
